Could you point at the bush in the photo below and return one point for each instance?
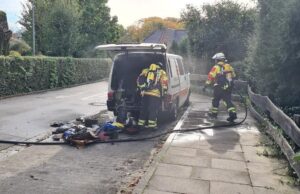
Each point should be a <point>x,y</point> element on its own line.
<point>26,74</point>
<point>20,46</point>
<point>14,54</point>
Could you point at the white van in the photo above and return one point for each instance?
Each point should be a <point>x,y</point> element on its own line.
<point>129,63</point>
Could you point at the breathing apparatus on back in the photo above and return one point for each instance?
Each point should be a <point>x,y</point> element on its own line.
<point>153,76</point>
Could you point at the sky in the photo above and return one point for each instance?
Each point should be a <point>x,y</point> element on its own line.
<point>128,11</point>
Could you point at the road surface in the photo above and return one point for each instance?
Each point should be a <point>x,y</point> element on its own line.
<point>24,117</point>
<point>63,169</point>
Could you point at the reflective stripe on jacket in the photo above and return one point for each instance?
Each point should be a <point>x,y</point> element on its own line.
<point>220,69</point>
<point>160,82</point>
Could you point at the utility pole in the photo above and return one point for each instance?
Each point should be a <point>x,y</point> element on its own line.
<point>33,29</point>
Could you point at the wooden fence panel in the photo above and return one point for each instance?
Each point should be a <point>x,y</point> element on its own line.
<point>280,140</point>
<point>285,122</point>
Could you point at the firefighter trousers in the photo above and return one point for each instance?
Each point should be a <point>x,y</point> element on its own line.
<point>225,95</point>
<point>149,110</point>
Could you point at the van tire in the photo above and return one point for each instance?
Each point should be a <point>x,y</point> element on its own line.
<point>174,112</point>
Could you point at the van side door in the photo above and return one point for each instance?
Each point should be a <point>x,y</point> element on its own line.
<point>174,83</point>
<point>183,81</point>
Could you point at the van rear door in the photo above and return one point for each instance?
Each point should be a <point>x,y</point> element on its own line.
<point>152,47</point>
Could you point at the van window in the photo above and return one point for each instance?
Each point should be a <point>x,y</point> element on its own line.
<point>180,66</point>
<point>173,68</point>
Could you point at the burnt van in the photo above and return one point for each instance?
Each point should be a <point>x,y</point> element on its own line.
<point>128,63</point>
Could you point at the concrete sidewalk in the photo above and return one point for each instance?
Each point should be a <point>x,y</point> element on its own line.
<point>216,161</point>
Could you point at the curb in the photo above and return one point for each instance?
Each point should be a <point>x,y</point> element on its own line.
<point>141,186</point>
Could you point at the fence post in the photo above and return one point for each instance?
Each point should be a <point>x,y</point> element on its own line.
<point>296,118</point>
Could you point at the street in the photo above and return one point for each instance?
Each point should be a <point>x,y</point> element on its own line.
<point>24,117</point>
<point>62,169</point>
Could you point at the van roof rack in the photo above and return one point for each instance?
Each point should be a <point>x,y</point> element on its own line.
<point>154,47</point>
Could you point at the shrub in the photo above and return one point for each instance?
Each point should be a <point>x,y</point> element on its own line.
<point>26,74</point>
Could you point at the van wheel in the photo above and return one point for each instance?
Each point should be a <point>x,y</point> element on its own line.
<point>174,112</point>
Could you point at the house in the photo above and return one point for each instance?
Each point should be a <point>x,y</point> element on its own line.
<point>167,36</point>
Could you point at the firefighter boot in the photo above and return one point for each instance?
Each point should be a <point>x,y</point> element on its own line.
<point>213,115</point>
<point>232,117</point>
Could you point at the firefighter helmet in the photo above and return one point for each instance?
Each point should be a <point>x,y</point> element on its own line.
<point>159,64</point>
<point>154,67</point>
<point>219,56</point>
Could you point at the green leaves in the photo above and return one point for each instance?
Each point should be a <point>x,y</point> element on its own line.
<point>297,157</point>
<point>273,63</point>
<point>223,27</point>
<point>21,75</point>
<point>69,28</point>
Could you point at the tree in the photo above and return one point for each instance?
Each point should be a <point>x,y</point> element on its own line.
<point>223,27</point>
<point>5,34</point>
<point>69,27</point>
<point>62,30</point>
<point>273,61</point>
<point>138,32</point>
<point>96,24</point>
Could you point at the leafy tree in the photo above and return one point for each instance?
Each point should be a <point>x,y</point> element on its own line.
<point>223,27</point>
<point>62,30</point>
<point>138,32</point>
<point>69,27</point>
<point>20,46</point>
<point>273,60</point>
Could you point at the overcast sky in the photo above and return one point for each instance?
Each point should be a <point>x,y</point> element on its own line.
<point>128,11</point>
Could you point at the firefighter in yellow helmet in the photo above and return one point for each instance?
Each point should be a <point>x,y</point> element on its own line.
<point>153,85</point>
<point>221,77</point>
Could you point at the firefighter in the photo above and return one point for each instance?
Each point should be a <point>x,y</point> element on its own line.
<point>221,77</point>
<point>153,85</point>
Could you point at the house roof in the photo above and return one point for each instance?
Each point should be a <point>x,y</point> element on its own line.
<point>166,35</point>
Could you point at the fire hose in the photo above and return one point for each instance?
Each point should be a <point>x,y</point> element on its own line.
<point>224,126</point>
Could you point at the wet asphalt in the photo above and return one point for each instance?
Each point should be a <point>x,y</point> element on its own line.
<point>101,168</point>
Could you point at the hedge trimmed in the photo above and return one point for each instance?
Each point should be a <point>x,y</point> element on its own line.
<point>27,74</point>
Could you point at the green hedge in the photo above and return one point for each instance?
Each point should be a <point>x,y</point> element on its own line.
<point>27,74</point>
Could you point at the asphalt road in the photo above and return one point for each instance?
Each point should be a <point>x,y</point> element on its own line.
<point>99,168</point>
<point>30,115</point>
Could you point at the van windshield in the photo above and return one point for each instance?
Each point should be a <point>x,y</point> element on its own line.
<point>127,68</point>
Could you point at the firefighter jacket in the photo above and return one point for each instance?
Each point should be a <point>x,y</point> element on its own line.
<point>153,81</point>
<point>222,74</point>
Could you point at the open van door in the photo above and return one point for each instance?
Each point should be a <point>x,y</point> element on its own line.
<point>151,47</point>
<point>127,65</point>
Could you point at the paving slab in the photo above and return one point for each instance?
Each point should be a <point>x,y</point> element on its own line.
<point>229,164</point>
<point>179,185</point>
<point>182,151</point>
<point>222,147</point>
<point>186,160</point>
<point>261,190</point>
<point>249,138</point>
<point>229,188</point>
<point>150,191</point>
<point>174,170</point>
<point>266,180</point>
<point>254,154</point>
<point>220,154</point>
<point>228,176</point>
